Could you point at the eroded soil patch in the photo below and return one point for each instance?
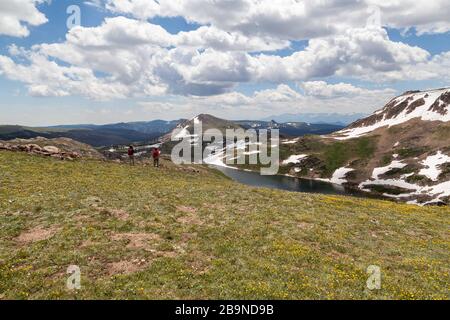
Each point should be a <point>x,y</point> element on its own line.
<point>36,234</point>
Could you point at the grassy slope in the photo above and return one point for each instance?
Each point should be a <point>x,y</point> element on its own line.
<point>330,154</point>
<point>207,237</point>
<point>333,154</point>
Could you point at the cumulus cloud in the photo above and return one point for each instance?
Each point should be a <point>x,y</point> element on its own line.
<point>363,52</point>
<point>47,78</point>
<point>280,99</point>
<point>128,57</point>
<point>422,15</point>
<point>120,32</point>
<point>295,19</point>
<point>17,15</point>
<point>325,90</point>
<point>149,60</point>
<point>137,58</point>
<point>125,32</point>
<point>212,37</point>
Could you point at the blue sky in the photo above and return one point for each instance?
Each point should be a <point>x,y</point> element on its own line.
<point>142,62</point>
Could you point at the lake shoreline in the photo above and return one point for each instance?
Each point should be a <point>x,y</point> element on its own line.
<point>294,184</point>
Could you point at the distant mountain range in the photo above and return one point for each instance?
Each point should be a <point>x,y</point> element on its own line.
<point>288,129</point>
<point>292,128</point>
<point>329,118</point>
<point>95,135</point>
<point>149,131</point>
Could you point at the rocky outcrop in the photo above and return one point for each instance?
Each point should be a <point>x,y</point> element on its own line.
<point>60,148</point>
<point>49,151</point>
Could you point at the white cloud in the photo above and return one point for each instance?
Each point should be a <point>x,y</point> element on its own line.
<point>321,89</point>
<point>364,53</point>
<point>136,58</point>
<point>435,68</point>
<point>17,15</point>
<point>47,78</point>
<point>278,100</point>
<point>120,32</point>
<point>125,57</point>
<point>94,3</point>
<point>233,105</point>
<point>124,32</point>
<point>212,37</point>
<point>423,15</point>
<point>295,19</point>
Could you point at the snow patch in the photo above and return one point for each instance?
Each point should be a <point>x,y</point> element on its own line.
<point>289,141</point>
<point>437,192</point>
<point>295,159</point>
<point>392,183</point>
<point>339,176</point>
<point>432,163</point>
<point>196,120</point>
<point>382,170</point>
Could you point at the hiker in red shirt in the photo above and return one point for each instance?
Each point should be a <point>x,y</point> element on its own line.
<point>155,154</point>
<point>131,155</point>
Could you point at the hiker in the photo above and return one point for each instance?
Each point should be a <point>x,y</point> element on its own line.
<point>131,155</point>
<point>155,154</point>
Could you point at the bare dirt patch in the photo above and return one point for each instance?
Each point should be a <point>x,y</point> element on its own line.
<point>36,234</point>
<point>127,267</point>
<point>137,240</point>
<point>191,216</point>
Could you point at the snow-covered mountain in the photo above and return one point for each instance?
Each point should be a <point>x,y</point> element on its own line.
<point>402,151</point>
<point>186,128</point>
<point>291,129</point>
<point>431,105</point>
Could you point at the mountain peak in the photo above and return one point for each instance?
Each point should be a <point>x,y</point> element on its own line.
<point>207,117</point>
<point>429,105</point>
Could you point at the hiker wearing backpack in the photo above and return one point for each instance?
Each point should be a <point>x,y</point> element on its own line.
<point>131,155</point>
<point>155,154</point>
